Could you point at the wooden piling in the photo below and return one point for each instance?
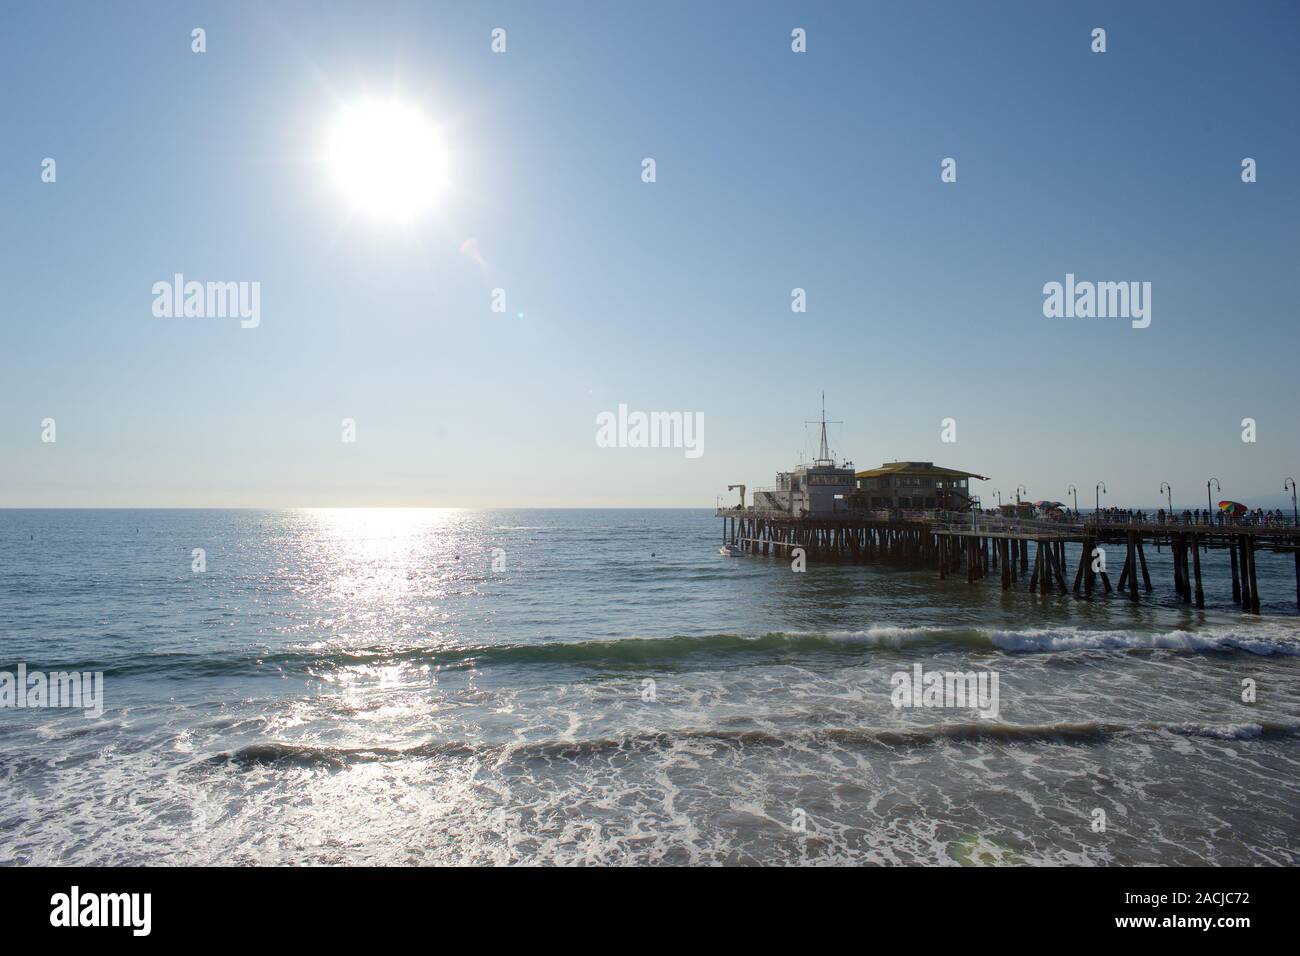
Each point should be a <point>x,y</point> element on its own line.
<point>1142,558</point>
<point>1236,580</point>
<point>1132,566</point>
<point>1179,552</point>
<point>1242,543</point>
<point>1196,570</point>
<point>1255,584</point>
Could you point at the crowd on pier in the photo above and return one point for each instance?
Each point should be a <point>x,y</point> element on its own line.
<point>1259,518</point>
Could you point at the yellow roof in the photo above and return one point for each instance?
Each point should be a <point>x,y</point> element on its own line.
<point>917,468</point>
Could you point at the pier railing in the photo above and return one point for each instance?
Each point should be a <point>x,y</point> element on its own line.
<point>962,520</point>
<point>991,524</point>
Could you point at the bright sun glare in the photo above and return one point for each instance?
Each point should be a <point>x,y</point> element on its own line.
<point>386,159</point>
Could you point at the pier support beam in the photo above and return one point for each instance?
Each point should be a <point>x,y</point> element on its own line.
<point>1054,578</point>
<point>1178,548</point>
<point>1236,580</point>
<point>1254,581</point>
<point>1196,570</point>
<point>1132,566</point>
<point>1243,543</point>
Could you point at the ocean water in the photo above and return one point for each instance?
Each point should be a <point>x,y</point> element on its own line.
<point>363,686</point>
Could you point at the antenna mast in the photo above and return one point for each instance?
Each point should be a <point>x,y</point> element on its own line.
<point>825,458</point>
<point>822,456</point>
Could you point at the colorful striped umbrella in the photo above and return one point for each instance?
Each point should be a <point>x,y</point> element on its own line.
<point>1234,508</point>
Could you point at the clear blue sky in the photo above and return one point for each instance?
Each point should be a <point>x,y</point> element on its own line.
<point>775,170</point>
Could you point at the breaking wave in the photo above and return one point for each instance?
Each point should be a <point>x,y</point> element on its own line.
<point>1264,640</point>
<point>1082,732</point>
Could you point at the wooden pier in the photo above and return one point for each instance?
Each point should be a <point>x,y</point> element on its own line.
<point>981,545</point>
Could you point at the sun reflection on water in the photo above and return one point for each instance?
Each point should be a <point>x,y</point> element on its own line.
<point>374,582</point>
<point>373,554</point>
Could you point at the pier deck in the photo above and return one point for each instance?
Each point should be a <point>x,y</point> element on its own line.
<point>981,545</point>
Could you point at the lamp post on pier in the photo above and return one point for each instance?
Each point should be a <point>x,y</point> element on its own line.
<point>1169,492</point>
<point>1075,491</point>
<point>1209,506</point>
<point>1019,488</point>
<point>1096,508</point>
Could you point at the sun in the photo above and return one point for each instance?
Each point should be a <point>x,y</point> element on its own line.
<point>386,159</point>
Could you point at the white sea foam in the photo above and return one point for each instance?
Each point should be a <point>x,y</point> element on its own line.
<point>884,634</point>
<point>1240,731</point>
<point>1266,640</point>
